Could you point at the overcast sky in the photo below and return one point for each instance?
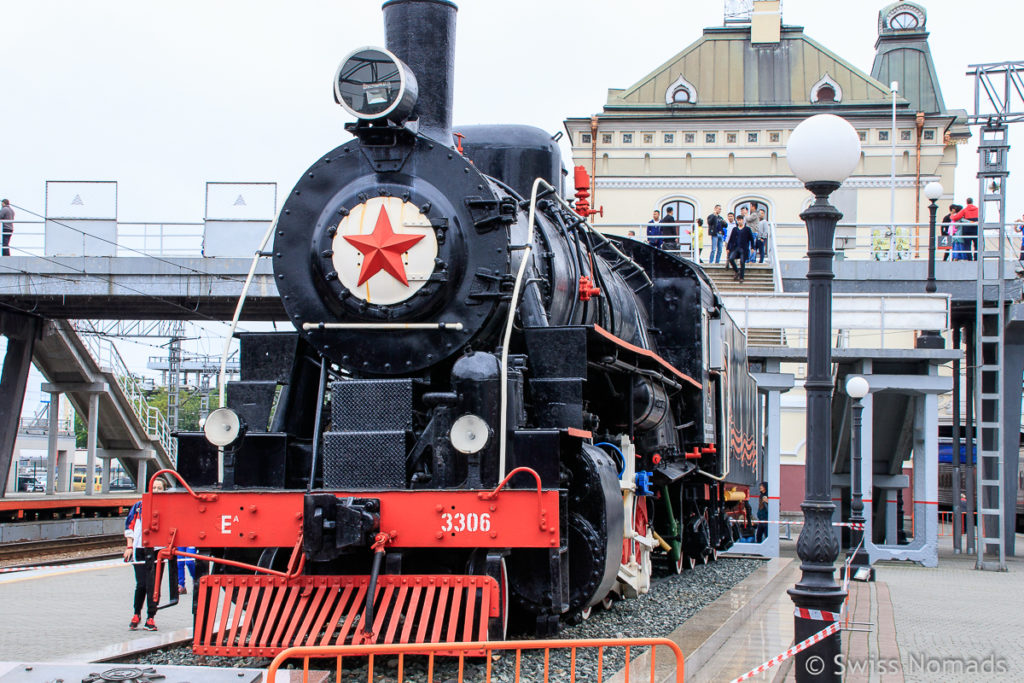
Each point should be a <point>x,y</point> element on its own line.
<point>163,96</point>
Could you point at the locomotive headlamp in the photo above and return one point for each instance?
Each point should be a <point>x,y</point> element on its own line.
<point>372,83</point>
<point>222,427</point>
<point>469,434</point>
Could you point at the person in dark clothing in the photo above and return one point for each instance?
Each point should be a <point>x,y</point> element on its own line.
<point>945,239</point>
<point>762,513</point>
<point>669,232</point>
<point>653,229</point>
<point>6,215</point>
<point>144,561</point>
<point>716,231</point>
<point>747,531</point>
<point>740,241</point>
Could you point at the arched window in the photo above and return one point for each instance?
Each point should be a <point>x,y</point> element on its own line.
<point>826,93</point>
<point>753,206</point>
<point>683,211</point>
<point>681,96</point>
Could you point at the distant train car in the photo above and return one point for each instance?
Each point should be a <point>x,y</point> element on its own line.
<point>946,480</point>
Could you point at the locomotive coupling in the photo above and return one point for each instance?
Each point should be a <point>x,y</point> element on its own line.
<point>333,526</point>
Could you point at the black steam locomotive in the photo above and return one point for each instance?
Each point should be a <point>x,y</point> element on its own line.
<point>489,410</point>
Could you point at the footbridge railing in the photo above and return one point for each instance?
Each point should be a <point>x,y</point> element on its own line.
<point>110,361</point>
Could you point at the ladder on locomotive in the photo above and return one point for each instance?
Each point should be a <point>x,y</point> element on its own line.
<point>988,351</point>
<point>630,270</point>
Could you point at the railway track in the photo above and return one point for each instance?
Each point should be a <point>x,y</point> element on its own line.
<point>45,550</point>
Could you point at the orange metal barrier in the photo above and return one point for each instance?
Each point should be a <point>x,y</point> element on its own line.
<point>461,650</point>
<point>946,519</point>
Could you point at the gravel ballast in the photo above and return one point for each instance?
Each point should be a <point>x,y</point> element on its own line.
<point>672,600</point>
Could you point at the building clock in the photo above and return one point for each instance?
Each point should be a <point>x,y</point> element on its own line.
<point>902,16</point>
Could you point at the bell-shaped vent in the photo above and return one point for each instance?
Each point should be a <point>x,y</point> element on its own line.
<point>826,91</point>
<point>681,92</point>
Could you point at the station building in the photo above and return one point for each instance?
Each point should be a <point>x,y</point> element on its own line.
<point>711,124</point>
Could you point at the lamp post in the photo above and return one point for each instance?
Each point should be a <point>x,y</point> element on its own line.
<point>860,563</point>
<point>931,339</point>
<point>822,151</point>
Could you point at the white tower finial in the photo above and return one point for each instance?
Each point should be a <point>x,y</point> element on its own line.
<point>738,11</point>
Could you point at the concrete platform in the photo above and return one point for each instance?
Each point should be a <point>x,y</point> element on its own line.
<point>57,615</point>
<point>948,623</point>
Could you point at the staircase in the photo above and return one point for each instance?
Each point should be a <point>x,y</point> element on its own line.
<point>759,277</point>
<point>127,422</point>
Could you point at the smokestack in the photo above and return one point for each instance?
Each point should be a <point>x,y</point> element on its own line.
<point>422,34</point>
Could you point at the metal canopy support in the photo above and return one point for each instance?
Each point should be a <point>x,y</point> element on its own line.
<point>53,410</point>
<point>130,328</point>
<point>771,384</point>
<point>173,380</point>
<point>988,347</point>
<point>1005,101</point>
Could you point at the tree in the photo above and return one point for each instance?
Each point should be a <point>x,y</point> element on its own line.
<point>188,411</point>
<point>188,406</point>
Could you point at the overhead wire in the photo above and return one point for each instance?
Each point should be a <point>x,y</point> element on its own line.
<point>111,281</point>
<point>127,248</point>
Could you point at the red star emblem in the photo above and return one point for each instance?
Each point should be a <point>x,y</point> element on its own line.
<point>382,250</point>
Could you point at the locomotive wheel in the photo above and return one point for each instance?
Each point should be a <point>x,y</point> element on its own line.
<point>586,612</point>
<point>608,601</point>
<point>641,519</point>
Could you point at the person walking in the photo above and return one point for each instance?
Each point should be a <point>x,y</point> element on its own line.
<point>6,215</point>
<point>144,562</point>
<point>716,231</point>
<point>754,223</point>
<point>761,244</point>
<point>738,245</point>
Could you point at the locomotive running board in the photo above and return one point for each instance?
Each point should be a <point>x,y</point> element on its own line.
<point>248,615</point>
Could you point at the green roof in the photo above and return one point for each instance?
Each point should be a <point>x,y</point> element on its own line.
<point>726,70</point>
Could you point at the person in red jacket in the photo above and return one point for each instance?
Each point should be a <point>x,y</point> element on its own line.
<point>969,229</point>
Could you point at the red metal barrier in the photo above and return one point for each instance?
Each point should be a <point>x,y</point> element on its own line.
<point>461,650</point>
<point>260,616</point>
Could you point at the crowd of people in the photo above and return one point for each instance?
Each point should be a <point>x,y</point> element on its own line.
<point>740,237</point>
